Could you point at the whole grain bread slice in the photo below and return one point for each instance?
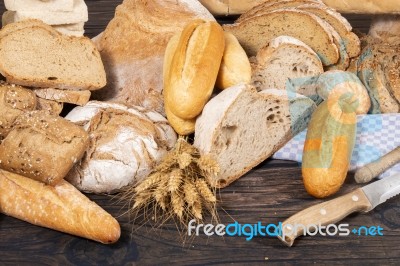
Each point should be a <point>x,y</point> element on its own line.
<point>241,127</point>
<point>284,58</point>
<point>74,62</point>
<point>255,32</point>
<point>335,19</point>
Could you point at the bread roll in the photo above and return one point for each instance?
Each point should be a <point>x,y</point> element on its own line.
<point>14,101</point>
<point>42,147</point>
<point>190,79</point>
<point>328,147</point>
<point>61,207</point>
<point>235,66</point>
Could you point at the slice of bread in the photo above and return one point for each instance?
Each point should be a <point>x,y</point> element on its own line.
<point>49,106</point>
<point>255,32</point>
<point>336,20</point>
<point>39,5</point>
<point>74,62</point>
<point>284,58</point>
<point>64,96</point>
<point>241,127</point>
<point>78,14</point>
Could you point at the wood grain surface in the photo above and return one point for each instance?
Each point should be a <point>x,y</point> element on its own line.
<point>270,193</point>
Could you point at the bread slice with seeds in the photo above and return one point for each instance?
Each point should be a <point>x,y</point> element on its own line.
<point>74,62</point>
<point>241,127</point>
<point>255,32</point>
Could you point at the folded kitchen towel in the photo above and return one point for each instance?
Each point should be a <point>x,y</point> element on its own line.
<point>376,136</point>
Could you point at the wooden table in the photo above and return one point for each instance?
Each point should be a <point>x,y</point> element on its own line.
<point>269,194</point>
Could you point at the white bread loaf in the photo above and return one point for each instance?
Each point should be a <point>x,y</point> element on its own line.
<point>133,47</point>
<point>241,127</point>
<point>78,14</point>
<point>284,58</point>
<point>61,207</point>
<point>236,7</point>
<point>125,145</point>
<point>39,5</point>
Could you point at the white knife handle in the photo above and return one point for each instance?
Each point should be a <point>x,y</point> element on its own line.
<point>323,214</point>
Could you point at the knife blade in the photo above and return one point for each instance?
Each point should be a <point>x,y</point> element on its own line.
<point>363,199</point>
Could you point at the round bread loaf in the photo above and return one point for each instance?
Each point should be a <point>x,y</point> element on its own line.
<point>125,145</point>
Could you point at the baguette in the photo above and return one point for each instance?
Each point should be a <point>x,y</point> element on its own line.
<point>62,208</point>
<point>190,79</point>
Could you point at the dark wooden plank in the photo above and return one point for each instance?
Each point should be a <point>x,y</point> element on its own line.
<point>269,194</point>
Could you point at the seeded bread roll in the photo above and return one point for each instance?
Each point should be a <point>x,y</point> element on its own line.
<point>42,147</point>
<point>14,101</point>
<point>61,207</point>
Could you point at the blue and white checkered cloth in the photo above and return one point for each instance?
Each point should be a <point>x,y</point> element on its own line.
<point>376,136</point>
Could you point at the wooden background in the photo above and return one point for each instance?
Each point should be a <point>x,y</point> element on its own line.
<point>270,193</point>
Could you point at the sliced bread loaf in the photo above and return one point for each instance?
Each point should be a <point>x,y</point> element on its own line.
<point>284,58</point>
<point>241,127</point>
<point>255,32</point>
<point>74,62</point>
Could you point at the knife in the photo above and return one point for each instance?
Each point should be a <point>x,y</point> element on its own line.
<point>362,199</point>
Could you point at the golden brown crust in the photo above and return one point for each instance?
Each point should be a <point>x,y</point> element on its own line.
<point>62,208</point>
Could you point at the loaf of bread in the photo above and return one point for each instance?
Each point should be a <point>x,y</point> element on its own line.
<point>14,101</point>
<point>282,59</point>
<point>64,96</point>
<point>61,207</point>
<point>39,5</point>
<point>241,127</point>
<point>256,32</point>
<point>42,147</point>
<point>74,62</point>
<point>125,145</point>
<point>236,7</point>
<point>190,78</point>
<point>79,13</point>
<point>133,47</point>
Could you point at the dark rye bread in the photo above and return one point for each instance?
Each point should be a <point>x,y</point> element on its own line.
<point>42,147</point>
<point>74,62</point>
<point>255,32</point>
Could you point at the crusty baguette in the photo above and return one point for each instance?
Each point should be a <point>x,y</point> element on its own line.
<point>74,62</point>
<point>236,7</point>
<point>61,207</point>
<point>190,78</point>
<point>64,96</point>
